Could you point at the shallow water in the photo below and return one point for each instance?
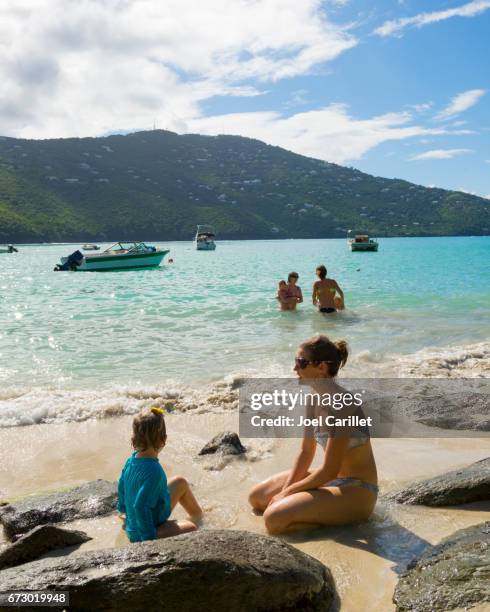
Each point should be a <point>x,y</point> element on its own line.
<point>92,342</point>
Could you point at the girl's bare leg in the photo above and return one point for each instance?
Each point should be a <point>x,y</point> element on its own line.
<point>174,528</point>
<point>180,492</point>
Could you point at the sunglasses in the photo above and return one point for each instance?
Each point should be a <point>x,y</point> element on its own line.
<point>302,363</point>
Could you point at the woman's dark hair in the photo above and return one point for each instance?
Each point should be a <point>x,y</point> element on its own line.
<point>322,271</point>
<point>149,430</point>
<point>320,348</point>
<point>292,275</point>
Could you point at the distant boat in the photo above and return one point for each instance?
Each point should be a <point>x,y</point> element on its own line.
<point>90,247</point>
<point>9,249</point>
<point>205,238</point>
<point>120,256</point>
<point>362,242</point>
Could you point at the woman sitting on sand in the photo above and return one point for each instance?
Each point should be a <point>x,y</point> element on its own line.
<point>324,292</point>
<point>145,500</point>
<point>344,489</point>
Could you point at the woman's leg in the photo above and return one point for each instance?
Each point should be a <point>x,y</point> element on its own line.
<point>180,492</point>
<point>323,506</point>
<point>261,494</point>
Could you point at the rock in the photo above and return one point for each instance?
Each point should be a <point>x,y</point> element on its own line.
<point>38,541</point>
<point>204,570</point>
<point>95,498</point>
<point>453,574</point>
<point>226,443</point>
<point>461,486</point>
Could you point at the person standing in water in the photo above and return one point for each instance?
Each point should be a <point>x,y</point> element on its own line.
<point>293,294</point>
<point>344,489</point>
<point>324,292</point>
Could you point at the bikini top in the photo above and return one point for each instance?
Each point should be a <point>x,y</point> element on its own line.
<point>359,436</point>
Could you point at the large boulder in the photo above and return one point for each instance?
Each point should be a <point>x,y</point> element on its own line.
<point>453,574</point>
<point>38,541</point>
<point>460,486</point>
<point>226,443</point>
<point>236,571</point>
<point>92,499</point>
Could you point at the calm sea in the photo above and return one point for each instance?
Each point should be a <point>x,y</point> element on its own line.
<point>73,342</point>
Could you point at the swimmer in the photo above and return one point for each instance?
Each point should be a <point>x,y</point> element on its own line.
<point>324,292</point>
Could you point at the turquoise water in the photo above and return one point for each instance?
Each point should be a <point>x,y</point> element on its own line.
<point>212,313</point>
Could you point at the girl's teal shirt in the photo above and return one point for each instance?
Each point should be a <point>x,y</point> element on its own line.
<point>143,496</point>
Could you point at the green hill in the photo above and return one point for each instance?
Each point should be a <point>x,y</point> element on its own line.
<point>159,185</point>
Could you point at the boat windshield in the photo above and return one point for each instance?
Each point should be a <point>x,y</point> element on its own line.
<point>128,246</point>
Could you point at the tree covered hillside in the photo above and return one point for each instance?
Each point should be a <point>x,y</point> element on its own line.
<point>159,185</point>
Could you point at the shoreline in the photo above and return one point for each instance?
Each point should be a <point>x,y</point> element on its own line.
<point>365,559</point>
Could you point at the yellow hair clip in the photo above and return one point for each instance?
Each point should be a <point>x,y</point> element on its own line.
<point>157,410</point>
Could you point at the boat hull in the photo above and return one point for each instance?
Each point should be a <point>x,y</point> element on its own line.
<point>205,246</point>
<point>363,247</point>
<point>98,263</point>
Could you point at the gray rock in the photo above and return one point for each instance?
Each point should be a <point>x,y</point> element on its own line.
<point>453,574</point>
<point>226,443</point>
<point>461,486</point>
<point>38,541</point>
<point>95,498</point>
<point>236,571</point>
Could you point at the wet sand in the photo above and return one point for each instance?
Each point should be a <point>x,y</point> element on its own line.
<point>364,559</point>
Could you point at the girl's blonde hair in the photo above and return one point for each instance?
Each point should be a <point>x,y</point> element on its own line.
<point>149,430</point>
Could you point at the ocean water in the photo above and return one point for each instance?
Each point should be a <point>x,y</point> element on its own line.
<point>75,345</point>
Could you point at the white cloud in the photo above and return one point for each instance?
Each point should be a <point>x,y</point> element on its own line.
<point>83,68</point>
<point>460,103</point>
<point>330,133</point>
<point>440,154</point>
<point>396,26</point>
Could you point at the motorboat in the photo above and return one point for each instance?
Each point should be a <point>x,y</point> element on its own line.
<point>91,247</point>
<point>362,242</point>
<point>119,256</point>
<point>9,249</point>
<point>205,238</point>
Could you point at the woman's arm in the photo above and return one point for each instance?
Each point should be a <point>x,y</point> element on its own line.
<point>339,290</point>
<point>300,296</point>
<point>302,462</point>
<point>314,295</point>
<point>334,454</point>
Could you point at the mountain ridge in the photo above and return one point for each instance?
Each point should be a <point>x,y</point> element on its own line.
<point>159,185</point>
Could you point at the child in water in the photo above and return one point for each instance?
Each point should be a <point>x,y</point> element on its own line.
<point>282,294</point>
<point>145,498</point>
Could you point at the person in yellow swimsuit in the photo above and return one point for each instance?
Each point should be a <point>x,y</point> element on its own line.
<point>325,292</point>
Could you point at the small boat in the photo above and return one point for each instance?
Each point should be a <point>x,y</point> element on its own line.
<point>9,249</point>
<point>120,256</point>
<point>362,242</point>
<point>90,247</point>
<point>205,238</point>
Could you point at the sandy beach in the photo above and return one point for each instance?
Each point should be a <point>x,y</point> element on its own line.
<point>364,559</point>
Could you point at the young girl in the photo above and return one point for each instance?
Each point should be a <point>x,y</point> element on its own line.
<point>145,498</point>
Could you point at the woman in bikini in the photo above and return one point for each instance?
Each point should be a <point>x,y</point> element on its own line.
<point>293,294</point>
<point>344,488</point>
<point>324,292</point>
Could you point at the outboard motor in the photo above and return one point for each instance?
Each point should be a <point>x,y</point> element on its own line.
<point>72,262</point>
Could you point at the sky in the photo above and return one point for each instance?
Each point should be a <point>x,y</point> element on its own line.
<point>395,88</point>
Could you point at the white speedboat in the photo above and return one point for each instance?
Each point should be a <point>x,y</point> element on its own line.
<point>120,256</point>
<point>205,238</point>
<point>362,242</point>
<point>91,247</point>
